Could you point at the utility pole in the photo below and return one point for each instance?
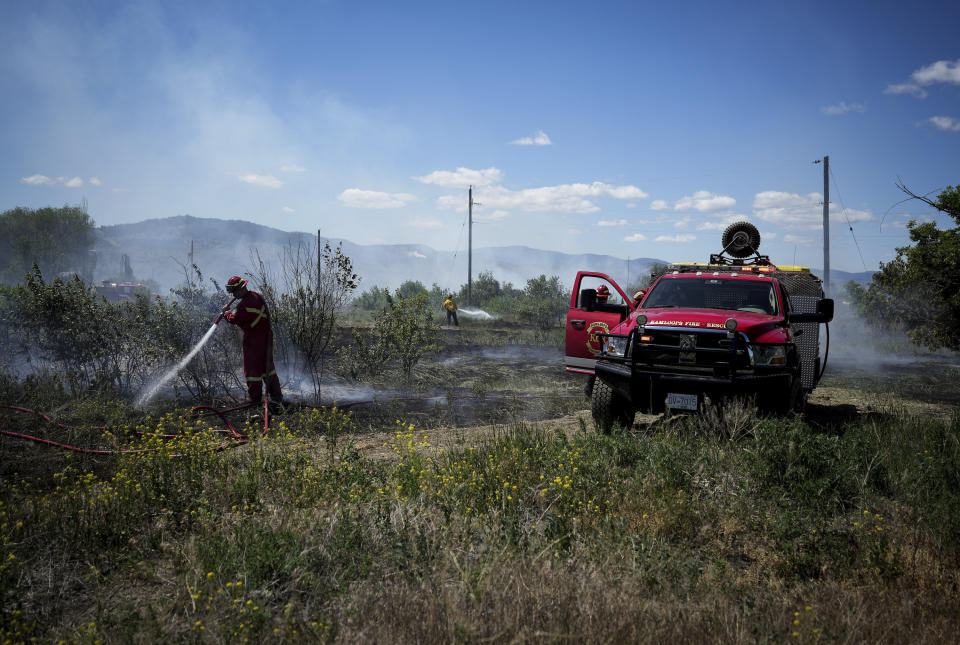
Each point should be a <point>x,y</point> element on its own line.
<point>826,224</point>
<point>470,246</point>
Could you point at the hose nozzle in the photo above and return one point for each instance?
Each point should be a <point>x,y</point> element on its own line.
<point>224,310</point>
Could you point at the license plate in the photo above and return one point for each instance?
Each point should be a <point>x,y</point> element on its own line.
<point>681,401</point>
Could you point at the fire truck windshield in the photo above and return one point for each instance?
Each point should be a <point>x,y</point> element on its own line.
<point>756,296</point>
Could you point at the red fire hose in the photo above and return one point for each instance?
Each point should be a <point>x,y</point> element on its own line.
<point>238,438</point>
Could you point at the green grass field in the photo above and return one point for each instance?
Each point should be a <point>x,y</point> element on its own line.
<point>839,526</point>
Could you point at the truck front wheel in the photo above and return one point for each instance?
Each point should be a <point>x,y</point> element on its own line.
<point>785,400</point>
<point>609,408</point>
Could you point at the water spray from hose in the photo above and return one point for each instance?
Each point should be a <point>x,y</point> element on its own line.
<point>151,390</point>
<point>475,313</point>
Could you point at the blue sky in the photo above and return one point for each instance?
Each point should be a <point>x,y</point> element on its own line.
<point>625,128</point>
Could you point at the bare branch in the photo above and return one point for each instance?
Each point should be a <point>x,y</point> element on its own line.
<point>926,200</point>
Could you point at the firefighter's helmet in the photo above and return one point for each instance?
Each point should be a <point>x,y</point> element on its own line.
<point>603,292</point>
<point>235,283</point>
<point>638,294</point>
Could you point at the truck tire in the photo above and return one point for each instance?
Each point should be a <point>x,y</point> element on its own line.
<point>741,239</point>
<point>784,401</point>
<point>609,408</point>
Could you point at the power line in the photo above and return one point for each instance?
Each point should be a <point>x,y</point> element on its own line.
<point>453,262</point>
<point>843,209</point>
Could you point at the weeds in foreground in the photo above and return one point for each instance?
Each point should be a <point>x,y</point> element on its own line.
<point>716,528</point>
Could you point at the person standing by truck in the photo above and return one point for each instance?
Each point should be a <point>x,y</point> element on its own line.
<point>451,307</point>
<point>253,318</point>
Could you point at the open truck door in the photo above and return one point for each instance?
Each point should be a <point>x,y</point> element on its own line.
<point>587,317</point>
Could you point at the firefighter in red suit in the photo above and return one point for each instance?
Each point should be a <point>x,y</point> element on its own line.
<point>253,318</point>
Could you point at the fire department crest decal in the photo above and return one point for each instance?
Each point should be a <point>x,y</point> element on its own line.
<point>593,341</point>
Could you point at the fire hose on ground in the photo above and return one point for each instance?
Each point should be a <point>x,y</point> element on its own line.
<point>198,411</point>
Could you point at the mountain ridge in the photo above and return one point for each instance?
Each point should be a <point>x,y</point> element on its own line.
<point>159,250</point>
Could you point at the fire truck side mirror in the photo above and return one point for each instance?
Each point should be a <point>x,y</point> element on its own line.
<point>824,313</point>
<point>825,309</point>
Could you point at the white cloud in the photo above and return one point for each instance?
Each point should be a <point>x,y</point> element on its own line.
<point>287,209</point>
<point>292,168</point>
<point>636,237</point>
<point>797,239</point>
<point>538,139</point>
<point>798,212</point>
<point>417,254</point>
<point>631,205</point>
<point>566,198</point>
<point>945,123</point>
<point>462,177</point>
<point>36,180</point>
<point>495,216</point>
<point>43,180</point>
<point>659,205</point>
<point>943,71</point>
<point>906,88</point>
<point>357,198</point>
<point>703,201</point>
<point>267,181</point>
<point>612,222</point>
<point>683,237</point>
<point>95,182</point>
<point>425,222</point>
<point>682,223</point>
<point>721,221</point>
<point>905,218</point>
<point>843,108</point>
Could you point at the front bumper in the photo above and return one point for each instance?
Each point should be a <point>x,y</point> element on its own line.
<point>647,388</point>
<point>647,375</point>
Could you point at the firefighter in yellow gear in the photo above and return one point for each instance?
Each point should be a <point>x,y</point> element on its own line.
<point>451,306</point>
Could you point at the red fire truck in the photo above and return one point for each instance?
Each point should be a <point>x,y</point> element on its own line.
<point>737,325</point>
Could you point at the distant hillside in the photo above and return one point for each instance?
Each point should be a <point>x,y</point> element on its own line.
<point>159,249</point>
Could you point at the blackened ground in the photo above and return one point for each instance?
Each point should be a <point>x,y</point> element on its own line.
<point>470,385</point>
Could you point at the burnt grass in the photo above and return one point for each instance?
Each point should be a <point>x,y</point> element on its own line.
<point>469,382</point>
<point>489,376</point>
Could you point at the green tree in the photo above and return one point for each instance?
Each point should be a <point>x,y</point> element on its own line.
<point>544,302</point>
<point>482,291</point>
<point>57,240</point>
<point>919,290</point>
<point>373,299</point>
<point>410,288</point>
<point>403,332</point>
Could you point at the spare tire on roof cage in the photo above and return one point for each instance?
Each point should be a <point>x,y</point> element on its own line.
<point>741,239</point>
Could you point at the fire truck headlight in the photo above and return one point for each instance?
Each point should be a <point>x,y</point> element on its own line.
<point>615,346</point>
<point>641,320</point>
<point>770,355</point>
<point>730,324</point>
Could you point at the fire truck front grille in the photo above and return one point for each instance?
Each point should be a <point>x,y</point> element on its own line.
<point>689,348</point>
